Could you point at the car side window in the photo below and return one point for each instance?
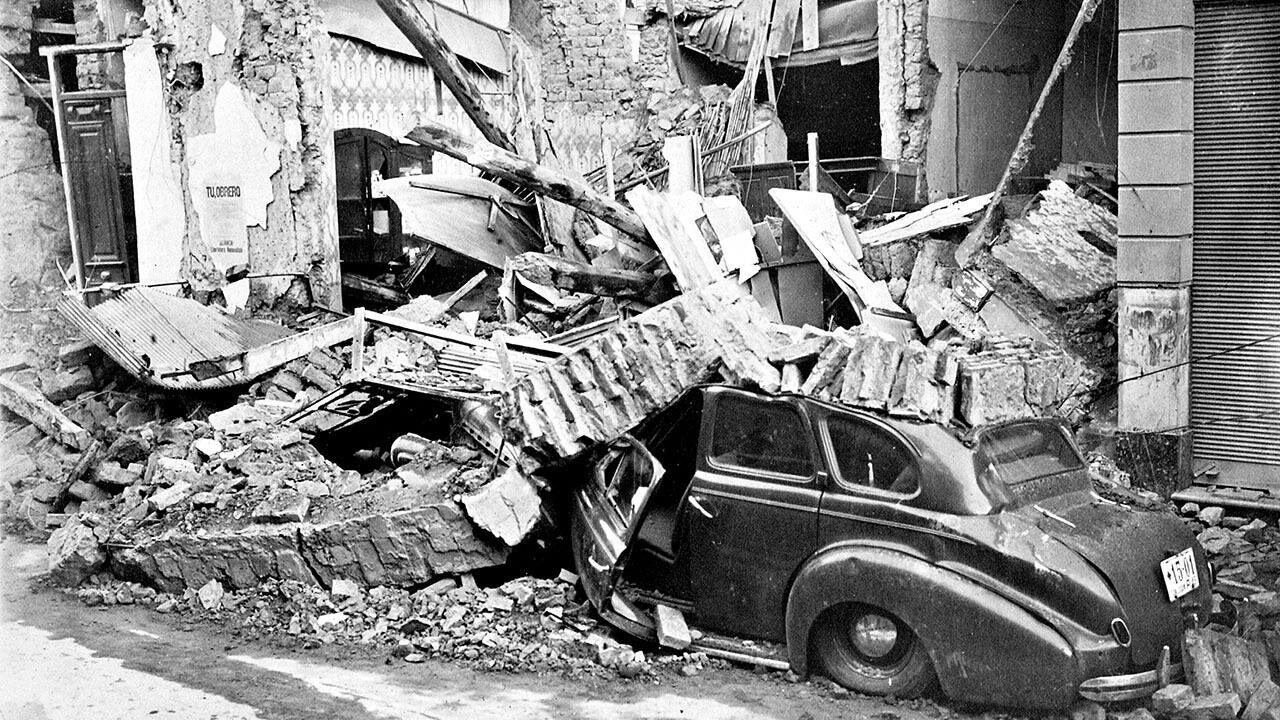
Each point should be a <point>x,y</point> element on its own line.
<point>868,456</point>
<point>760,435</point>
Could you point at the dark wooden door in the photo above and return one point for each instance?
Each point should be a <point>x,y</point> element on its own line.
<point>103,240</point>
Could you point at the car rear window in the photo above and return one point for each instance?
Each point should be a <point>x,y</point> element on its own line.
<point>868,456</point>
<point>1020,453</point>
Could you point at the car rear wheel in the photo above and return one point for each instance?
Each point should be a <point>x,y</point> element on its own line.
<point>870,651</point>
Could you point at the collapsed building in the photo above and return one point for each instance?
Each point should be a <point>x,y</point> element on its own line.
<point>652,211</point>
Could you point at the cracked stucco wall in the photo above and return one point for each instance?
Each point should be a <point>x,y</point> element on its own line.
<point>247,92</point>
<point>33,216</point>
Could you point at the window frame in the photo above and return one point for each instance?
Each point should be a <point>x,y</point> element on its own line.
<point>805,429</point>
<point>833,460</point>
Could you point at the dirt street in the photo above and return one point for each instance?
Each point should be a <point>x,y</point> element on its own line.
<point>65,660</point>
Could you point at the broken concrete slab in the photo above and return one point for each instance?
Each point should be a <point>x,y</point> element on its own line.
<point>174,561</point>
<point>75,552</point>
<point>399,548</point>
<point>508,508</point>
<point>673,631</point>
<point>1049,250</point>
<point>60,386</point>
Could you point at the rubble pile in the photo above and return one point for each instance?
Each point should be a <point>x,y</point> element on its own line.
<point>525,624</point>
<point>607,386</point>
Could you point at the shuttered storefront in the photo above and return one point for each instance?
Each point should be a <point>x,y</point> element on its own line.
<point>1235,293</point>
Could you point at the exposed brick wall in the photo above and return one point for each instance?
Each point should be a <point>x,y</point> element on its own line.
<point>590,87</point>
<point>33,217</point>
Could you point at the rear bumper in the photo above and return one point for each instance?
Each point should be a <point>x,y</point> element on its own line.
<point>1115,688</point>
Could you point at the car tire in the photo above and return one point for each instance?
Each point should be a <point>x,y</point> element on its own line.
<point>868,650</point>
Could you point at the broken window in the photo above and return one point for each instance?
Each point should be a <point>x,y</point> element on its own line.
<point>870,457</point>
<point>759,435</point>
<point>1025,451</point>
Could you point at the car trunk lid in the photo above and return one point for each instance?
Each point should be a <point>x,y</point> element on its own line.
<point>1126,546</point>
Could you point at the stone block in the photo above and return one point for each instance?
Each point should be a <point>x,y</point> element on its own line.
<point>75,552</point>
<point>1266,697</point>
<point>166,498</point>
<point>63,385</point>
<point>1155,210</point>
<point>1144,14</point>
<point>1155,159</point>
<point>1217,663</point>
<point>1156,54</point>
<point>87,491</point>
<point>1153,260</point>
<point>1155,106</point>
<point>110,473</point>
<point>1172,699</point>
<point>166,471</point>
<point>508,508</point>
<point>1222,706</point>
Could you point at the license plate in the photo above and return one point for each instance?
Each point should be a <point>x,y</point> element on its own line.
<point>1180,575</point>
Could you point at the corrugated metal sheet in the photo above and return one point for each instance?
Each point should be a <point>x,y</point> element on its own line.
<point>457,212</point>
<point>168,341</point>
<point>1235,293</point>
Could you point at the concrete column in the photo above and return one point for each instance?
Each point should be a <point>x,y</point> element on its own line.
<point>1155,72</point>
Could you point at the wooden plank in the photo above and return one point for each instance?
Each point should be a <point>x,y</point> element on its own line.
<point>359,329</point>
<point>43,414</point>
<point>458,294</point>
<point>782,33</point>
<point>265,358</point>
<point>940,215</point>
<point>734,230</point>
<point>686,253</point>
<point>809,24</point>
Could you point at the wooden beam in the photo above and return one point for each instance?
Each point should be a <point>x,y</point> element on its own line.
<point>373,288</point>
<point>43,414</point>
<point>581,277</point>
<point>538,178</point>
<point>265,358</point>
<point>407,16</point>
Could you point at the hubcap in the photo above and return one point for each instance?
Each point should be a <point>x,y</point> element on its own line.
<point>875,635</point>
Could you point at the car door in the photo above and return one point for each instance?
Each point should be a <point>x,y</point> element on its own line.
<point>608,509</point>
<point>751,511</point>
<point>874,476</point>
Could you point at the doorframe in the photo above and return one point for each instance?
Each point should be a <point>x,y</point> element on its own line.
<point>51,54</point>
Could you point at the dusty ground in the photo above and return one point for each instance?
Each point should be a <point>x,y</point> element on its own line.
<point>61,659</point>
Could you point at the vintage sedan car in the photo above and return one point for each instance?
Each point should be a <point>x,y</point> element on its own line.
<point>889,555</point>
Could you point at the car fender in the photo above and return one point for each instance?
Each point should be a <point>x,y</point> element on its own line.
<point>977,640</point>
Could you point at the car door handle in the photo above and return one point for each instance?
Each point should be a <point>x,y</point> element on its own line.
<point>596,564</point>
<point>696,502</point>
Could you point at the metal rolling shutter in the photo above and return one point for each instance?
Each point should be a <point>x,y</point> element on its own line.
<point>1235,292</point>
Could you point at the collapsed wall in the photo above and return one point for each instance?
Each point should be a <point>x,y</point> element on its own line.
<point>33,217</point>
<point>247,94</point>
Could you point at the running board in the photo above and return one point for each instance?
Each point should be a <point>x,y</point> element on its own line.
<point>767,655</point>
